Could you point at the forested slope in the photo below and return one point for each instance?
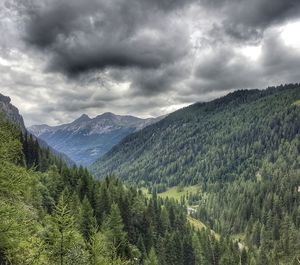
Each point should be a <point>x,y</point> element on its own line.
<point>52,214</point>
<point>243,152</point>
<point>220,140</point>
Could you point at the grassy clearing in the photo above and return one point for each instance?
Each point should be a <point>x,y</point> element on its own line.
<point>198,225</point>
<point>297,103</point>
<point>173,192</point>
<point>176,194</point>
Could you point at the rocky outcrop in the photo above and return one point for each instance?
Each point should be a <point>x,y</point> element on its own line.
<point>10,112</point>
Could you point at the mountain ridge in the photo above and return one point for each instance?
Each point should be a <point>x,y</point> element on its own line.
<point>174,149</point>
<point>85,139</point>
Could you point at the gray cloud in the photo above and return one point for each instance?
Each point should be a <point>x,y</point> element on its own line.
<point>246,20</point>
<point>278,61</point>
<point>62,58</point>
<point>225,69</point>
<point>263,13</point>
<point>83,36</point>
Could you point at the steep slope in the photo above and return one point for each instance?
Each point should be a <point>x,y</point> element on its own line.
<point>11,113</point>
<point>218,140</point>
<point>86,139</point>
<point>242,151</point>
<point>63,215</point>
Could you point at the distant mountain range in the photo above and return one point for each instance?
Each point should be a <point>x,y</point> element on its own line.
<point>86,139</point>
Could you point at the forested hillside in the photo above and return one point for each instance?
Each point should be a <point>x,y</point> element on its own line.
<point>52,214</point>
<point>220,140</point>
<point>243,152</point>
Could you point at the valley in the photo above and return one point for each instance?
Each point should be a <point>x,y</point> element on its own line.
<point>213,183</point>
<point>149,132</point>
<point>237,150</point>
<point>86,139</point>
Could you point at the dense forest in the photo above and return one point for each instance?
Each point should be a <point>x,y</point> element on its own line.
<point>242,151</point>
<point>52,214</point>
<point>220,140</point>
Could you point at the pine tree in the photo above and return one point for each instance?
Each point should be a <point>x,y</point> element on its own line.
<point>256,235</point>
<point>152,258</point>
<point>113,228</point>
<point>64,223</point>
<point>87,218</point>
<point>102,251</point>
<point>198,252</point>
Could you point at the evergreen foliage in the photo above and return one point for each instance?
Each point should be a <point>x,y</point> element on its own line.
<point>242,151</point>
<point>59,215</point>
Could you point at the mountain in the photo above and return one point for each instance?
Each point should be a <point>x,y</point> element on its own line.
<point>62,215</point>
<point>11,113</point>
<point>86,139</point>
<point>241,153</point>
<point>217,140</point>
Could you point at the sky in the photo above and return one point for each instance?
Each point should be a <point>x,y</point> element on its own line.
<point>62,58</point>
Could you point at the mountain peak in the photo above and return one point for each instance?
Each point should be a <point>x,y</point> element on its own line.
<point>106,115</point>
<point>10,112</point>
<point>86,139</point>
<point>83,117</point>
<point>4,99</point>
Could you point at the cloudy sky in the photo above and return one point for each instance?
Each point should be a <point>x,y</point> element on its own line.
<point>62,58</point>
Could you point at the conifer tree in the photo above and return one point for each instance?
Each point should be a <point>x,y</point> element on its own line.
<point>113,228</point>
<point>152,258</point>
<point>87,218</point>
<point>64,223</point>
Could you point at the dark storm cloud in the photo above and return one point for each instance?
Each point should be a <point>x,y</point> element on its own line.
<point>247,19</point>
<point>81,36</point>
<point>88,35</point>
<point>60,58</point>
<point>159,80</point>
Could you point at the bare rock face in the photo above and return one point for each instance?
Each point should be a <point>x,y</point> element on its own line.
<point>10,112</point>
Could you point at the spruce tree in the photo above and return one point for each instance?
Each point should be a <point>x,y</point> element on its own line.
<point>152,258</point>
<point>113,228</point>
<point>64,223</point>
<point>87,218</point>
